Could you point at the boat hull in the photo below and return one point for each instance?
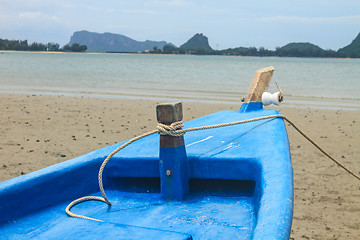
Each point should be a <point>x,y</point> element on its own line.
<point>240,187</point>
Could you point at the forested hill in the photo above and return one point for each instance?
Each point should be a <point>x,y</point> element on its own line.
<point>352,50</point>
<point>303,50</point>
<point>199,45</point>
<point>110,42</point>
<point>198,41</point>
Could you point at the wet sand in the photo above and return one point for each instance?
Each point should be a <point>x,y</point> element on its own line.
<point>38,131</point>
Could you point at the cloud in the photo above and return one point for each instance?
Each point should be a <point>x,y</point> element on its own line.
<point>139,11</point>
<point>4,19</point>
<point>29,15</point>
<point>33,5</point>
<point>174,3</point>
<point>341,19</point>
<point>37,17</point>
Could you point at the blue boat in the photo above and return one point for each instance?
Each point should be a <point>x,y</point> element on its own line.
<point>232,182</point>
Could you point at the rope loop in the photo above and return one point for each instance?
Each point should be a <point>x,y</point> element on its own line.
<point>174,129</point>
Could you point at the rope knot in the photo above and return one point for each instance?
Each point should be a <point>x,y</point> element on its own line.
<point>173,129</point>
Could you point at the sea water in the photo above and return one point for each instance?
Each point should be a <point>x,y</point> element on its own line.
<point>305,82</point>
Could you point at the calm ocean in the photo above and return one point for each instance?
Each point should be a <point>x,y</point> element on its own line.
<point>305,82</point>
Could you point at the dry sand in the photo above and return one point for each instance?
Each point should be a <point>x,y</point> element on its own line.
<point>38,131</point>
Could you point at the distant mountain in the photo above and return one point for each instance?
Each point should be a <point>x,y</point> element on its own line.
<point>110,42</point>
<point>197,42</point>
<point>351,50</point>
<point>300,50</point>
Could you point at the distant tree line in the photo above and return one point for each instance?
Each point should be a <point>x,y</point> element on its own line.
<point>75,47</point>
<point>289,50</point>
<point>18,45</point>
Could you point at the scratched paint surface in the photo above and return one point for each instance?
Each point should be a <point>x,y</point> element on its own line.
<point>242,178</point>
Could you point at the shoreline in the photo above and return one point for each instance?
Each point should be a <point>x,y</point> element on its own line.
<point>171,54</point>
<point>42,130</point>
<point>62,52</point>
<point>324,103</point>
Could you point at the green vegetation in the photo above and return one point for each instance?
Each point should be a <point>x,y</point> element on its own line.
<point>18,45</point>
<point>289,50</point>
<point>74,48</point>
<point>304,50</point>
<point>198,45</point>
<point>352,50</point>
<point>251,51</point>
<point>110,42</point>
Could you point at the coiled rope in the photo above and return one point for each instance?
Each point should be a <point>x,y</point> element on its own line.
<point>175,130</point>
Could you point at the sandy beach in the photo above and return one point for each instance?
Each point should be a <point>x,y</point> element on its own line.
<point>38,131</point>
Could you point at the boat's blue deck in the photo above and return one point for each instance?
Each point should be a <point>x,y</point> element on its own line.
<point>240,181</point>
<point>201,216</point>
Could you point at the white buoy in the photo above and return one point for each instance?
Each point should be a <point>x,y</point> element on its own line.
<point>268,98</point>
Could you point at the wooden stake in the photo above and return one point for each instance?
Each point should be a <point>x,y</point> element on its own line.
<point>167,113</point>
<point>259,84</point>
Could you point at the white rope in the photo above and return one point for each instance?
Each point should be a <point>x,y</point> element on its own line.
<point>175,130</point>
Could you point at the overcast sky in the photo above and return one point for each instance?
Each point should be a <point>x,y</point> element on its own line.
<point>331,24</point>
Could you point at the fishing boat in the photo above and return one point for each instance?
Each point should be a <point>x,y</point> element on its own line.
<point>226,181</point>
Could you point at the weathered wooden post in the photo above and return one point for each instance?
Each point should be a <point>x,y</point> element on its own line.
<point>259,85</point>
<point>173,170</point>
